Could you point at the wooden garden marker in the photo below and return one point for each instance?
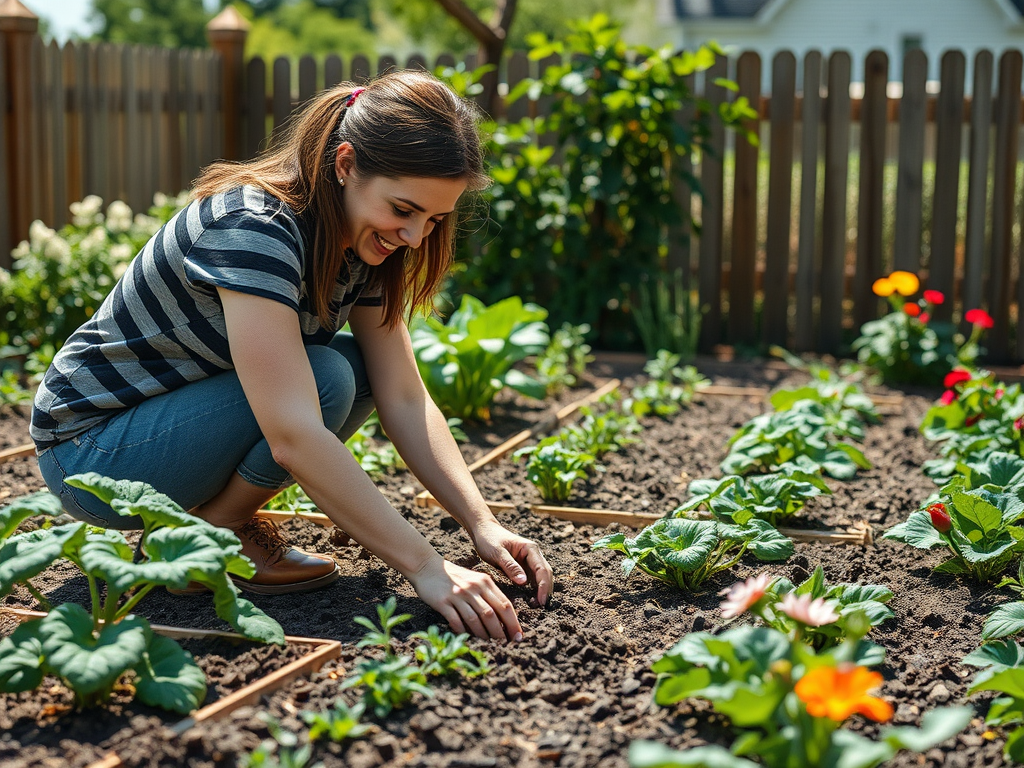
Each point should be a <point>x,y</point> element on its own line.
<point>323,651</point>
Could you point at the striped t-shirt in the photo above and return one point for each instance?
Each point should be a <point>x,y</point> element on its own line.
<point>163,325</point>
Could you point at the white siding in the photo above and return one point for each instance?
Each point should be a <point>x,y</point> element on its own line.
<point>859,26</point>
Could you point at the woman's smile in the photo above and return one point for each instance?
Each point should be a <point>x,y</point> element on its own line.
<point>383,245</point>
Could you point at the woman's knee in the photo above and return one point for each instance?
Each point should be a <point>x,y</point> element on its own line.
<point>335,384</point>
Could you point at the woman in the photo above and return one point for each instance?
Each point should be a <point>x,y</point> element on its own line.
<point>215,371</point>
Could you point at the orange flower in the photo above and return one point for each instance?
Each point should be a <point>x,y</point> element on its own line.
<point>883,286</point>
<point>905,283</point>
<point>911,309</point>
<point>838,692</point>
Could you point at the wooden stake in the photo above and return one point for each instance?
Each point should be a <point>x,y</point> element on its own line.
<point>17,452</point>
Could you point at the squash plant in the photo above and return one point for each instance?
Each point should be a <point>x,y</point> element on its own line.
<point>737,499</point>
<point>90,649</point>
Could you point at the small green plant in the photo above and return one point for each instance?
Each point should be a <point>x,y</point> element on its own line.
<point>338,723</point>
<point>381,636</point>
<point>375,460</point>
<point>670,387</point>
<point>442,654</point>
<point>281,750</point>
<point>553,468</point>
<point>564,361</point>
<point>600,433</point>
<point>465,363</point>
<point>686,553</point>
<point>1002,672</point>
<point>737,499</point>
<point>292,499</point>
<point>1007,619</point>
<point>667,316</point>
<point>91,650</point>
<point>11,390</point>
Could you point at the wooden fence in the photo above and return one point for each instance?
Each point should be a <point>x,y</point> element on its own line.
<point>793,232</point>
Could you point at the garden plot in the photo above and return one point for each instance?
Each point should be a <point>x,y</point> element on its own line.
<point>579,690</point>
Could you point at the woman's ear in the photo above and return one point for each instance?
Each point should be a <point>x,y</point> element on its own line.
<point>344,161</point>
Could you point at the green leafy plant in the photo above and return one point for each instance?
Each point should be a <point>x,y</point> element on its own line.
<point>12,392</point>
<point>281,750</point>
<point>442,654</point>
<point>292,499</point>
<point>338,723</point>
<point>846,406</point>
<point>376,458</point>
<point>564,361</point>
<point>686,553</point>
<point>381,636</point>
<point>977,526</point>
<point>600,433</point>
<point>91,650</point>
<point>465,363</point>
<point>802,435</point>
<point>737,499</point>
<point>1007,619</point>
<point>669,388</point>
<point>1002,671</point>
<point>667,316</point>
<point>787,703</point>
<point>553,468</point>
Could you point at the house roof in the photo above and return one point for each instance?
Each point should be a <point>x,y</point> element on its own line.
<point>725,9</point>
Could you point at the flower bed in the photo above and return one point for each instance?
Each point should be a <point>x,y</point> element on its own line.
<point>579,690</point>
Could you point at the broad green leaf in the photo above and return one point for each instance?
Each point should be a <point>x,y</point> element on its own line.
<point>1004,621</point>
<point>29,554</point>
<point>169,677</point>
<point>652,754</point>
<point>937,725</point>
<point>977,518</point>
<point>91,664</point>
<point>21,659</point>
<point>851,750</point>
<point>24,507</point>
<point>769,545</point>
<point>107,489</point>
<point>242,615</point>
<point>749,707</point>
<point>681,685</point>
<point>1000,655</point>
<point>1009,681</point>
<point>1014,748</point>
<point>860,593</point>
<point>917,531</point>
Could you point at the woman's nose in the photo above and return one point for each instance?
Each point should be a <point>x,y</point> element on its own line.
<point>411,236</point>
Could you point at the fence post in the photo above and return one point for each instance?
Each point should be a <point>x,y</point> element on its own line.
<point>18,27</point>
<point>227,32</point>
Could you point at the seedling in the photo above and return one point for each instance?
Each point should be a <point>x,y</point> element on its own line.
<point>600,433</point>
<point>381,637</point>
<point>280,750</point>
<point>442,654</point>
<point>390,684</point>
<point>554,468</point>
<point>737,499</point>
<point>338,723</point>
<point>564,361</point>
<point>670,387</point>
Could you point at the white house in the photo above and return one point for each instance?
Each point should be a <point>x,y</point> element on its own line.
<point>856,26</point>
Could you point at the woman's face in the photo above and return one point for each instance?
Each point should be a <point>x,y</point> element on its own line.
<point>384,214</point>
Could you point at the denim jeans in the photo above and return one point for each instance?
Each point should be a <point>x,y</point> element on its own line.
<point>188,442</point>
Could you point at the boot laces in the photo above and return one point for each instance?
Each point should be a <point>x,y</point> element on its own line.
<point>265,534</point>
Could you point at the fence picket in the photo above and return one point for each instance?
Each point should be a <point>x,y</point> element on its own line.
<point>518,70</point>
<point>1004,170</point>
<point>333,70</point>
<point>6,230</point>
<point>40,194</point>
<point>416,61</point>
<point>712,214</point>
<point>307,78</point>
<point>385,64</point>
<point>808,256</point>
<point>282,90</point>
<point>360,68</point>
<point>132,147</point>
<point>977,180</point>
<point>58,136</point>
<point>910,180</point>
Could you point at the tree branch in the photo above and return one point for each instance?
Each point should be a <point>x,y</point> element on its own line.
<point>465,16</point>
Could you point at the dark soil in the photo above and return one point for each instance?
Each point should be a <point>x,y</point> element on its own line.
<point>577,691</point>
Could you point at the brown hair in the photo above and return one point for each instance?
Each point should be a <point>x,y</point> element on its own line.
<point>406,123</point>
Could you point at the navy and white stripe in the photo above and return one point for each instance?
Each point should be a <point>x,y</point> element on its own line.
<point>163,326</point>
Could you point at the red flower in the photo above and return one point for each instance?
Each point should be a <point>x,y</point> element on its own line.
<point>912,309</point>
<point>999,392</point>
<point>970,421</point>
<point>956,376</point>
<point>1019,424</point>
<point>948,397</point>
<point>924,317</point>
<point>979,317</point>
<point>940,517</point>
<point>934,297</point>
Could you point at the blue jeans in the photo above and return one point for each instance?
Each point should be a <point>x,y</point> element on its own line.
<point>187,443</point>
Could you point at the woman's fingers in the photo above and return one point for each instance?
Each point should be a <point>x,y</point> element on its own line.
<point>543,576</point>
<point>486,611</point>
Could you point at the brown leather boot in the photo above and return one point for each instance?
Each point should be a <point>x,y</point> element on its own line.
<point>280,568</point>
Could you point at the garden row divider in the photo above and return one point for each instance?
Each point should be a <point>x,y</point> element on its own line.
<point>324,650</point>
<point>8,454</point>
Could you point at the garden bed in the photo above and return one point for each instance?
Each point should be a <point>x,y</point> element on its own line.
<point>578,690</point>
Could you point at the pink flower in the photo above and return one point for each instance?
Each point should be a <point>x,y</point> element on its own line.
<point>934,297</point>
<point>743,594</point>
<point>956,376</point>
<point>924,318</point>
<point>1019,424</point>
<point>948,397</point>
<point>979,317</point>
<point>811,613</point>
<point>999,392</point>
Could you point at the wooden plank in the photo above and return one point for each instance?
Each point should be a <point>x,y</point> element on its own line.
<point>6,228</point>
<point>977,180</point>
<point>744,209</point>
<point>683,186</point>
<point>518,70</point>
<point>948,142</point>
<point>712,212</point>
<point>870,194</point>
<point>20,138</point>
<point>416,60</point>
<point>280,516</point>
<point>37,186</point>
<point>57,162</point>
<point>282,87</point>
<point>837,148</point>
<point>780,198</point>
<point>132,147</point>
<point>173,121</point>
<point>307,78</point>
<point>333,70</point>
<point>255,106</point>
<point>115,127</point>
<point>386,64</point>
<point>74,144</point>
<point>910,179</point>
<point>213,139</point>
<point>28,449</point>
<point>360,69</point>
<point>155,123</point>
<point>808,252</point>
<point>1004,168</point>
<point>190,106</point>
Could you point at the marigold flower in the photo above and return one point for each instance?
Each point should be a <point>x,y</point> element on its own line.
<point>743,594</point>
<point>911,309</point>
<point>979,317</point>
<point>947,397</point>
<point>883,287</point>
<point>924,317</point>
<point>905,283</point>
<point>838,692</point>
<point>811,613</point>
<point>940,517</point>
<point>956,376</point>
<point>934,297</point>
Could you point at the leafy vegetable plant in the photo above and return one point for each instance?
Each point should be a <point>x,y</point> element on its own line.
<point>465,363</point>
<point>1002,671</point>
<point>441,654</point>
<point>564,360</point>
<point>978,526</point>
<point>91,650</point>
<point>600,433</point>
<point>281,750</point>
<point>1007,619</point>
<point>376,459</point>
<point>670,387</point>
<point>787,702</point>
<point>338,723</point>
<point>685,553</point>
<point>737,499</point>
<point>553,468</point>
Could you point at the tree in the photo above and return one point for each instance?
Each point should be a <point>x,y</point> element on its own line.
<point>296,28</point>
<point>167,23</point>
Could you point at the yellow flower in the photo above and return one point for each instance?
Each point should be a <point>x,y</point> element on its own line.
<point>905,283</point>
<point>883,287</point>
<point>838,692</point>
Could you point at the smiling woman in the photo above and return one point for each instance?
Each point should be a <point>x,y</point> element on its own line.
<point>216,372</point>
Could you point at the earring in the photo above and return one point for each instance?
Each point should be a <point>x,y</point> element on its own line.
<point>341,181</point>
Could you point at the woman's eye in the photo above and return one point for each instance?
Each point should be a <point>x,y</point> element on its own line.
<point>399,212</point>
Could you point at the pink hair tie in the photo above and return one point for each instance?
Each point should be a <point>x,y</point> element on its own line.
<point>352,97</point>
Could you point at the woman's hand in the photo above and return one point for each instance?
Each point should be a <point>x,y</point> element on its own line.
<point>470,601</point>
<point>514,555</point>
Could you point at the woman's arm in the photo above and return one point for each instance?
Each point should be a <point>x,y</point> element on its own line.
<point>420,433</point>
<point>268,355</point>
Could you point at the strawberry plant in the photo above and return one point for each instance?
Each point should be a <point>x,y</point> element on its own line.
<point>737,499</point>
<point>91,649</point>
<point>787,702</point>
<point>845,405</point>
<point>976,525</point>
<point>465,363</point>
<point>1007,619</point>
<point>686,553</point>
<point>670,387</point>
<point>600,433</point>
<point>1002,672</point>
<point>554,468</point>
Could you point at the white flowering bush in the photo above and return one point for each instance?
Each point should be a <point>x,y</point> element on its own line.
<point>59,278</point>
